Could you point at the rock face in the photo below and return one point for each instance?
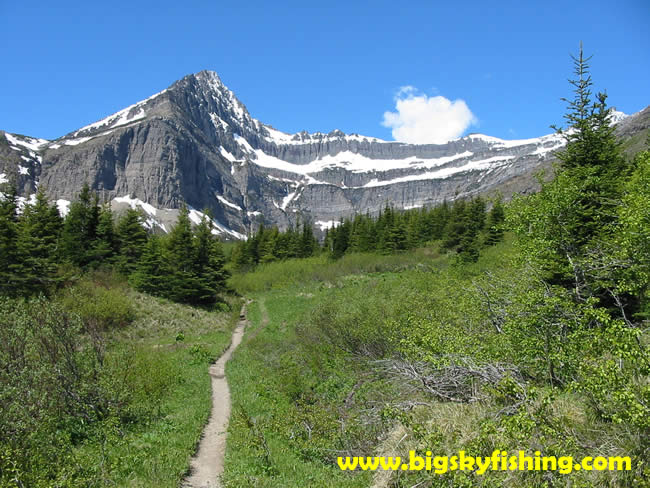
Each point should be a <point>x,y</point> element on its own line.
<point>196,143</point>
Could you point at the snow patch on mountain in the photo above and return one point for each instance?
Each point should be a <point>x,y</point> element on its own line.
<point>130,114</point>
<point>63,206</point>
<point>227,155</point>
<point>443,173</point>
<point>288,199</point>
<point>505,143</point>
<point>218,122</point>
<point>217,228</point>
<point>75,142</point>
<point>22,202</point>
<point>326,224</point>
<point>353,162</point>
<point>134,203</point>
<point>221,92</point>
<point>229,204</point>
<point>30,143</point>
<point>615,116</point>
<point>281,138</point>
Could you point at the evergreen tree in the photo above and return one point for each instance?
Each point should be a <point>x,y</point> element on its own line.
<point>475,215</point>
<point>179,254</point>
<point>439,217</point>
<point>341,238</point>
<point>394,236</point>
<point>569,221</point>
<point>105,246</point>
<point>356,234</point>
<point>254,245</point>
<point>455,226</point>
<point>37,240</point>
<point>131,238</point>
<point>468,248</point>
<point>8,239</point>
<point>421,228</point>
<point>241,254</point>
<point>267,243</point>
<point>216,272</point>
<point>307,243</point>
<point>79,229</point>
<point>152,272</point>
<point>209,262</point>
<point>592,157</point>
<point>495,222</point>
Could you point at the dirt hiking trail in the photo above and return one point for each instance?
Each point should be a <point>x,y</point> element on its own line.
<point>207,464</point>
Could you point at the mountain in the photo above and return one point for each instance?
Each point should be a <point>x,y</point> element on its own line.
<point>196,143</point>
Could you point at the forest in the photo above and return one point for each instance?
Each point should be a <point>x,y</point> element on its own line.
<point>477,324</point>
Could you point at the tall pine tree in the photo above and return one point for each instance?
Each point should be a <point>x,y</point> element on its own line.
<point>131,238</point>
<point>8,239</point>
<point>179,255</point>
<point>80,228</point>
<point>38,235</point>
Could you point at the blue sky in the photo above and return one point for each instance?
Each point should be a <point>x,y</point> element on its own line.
<point>500,66</point>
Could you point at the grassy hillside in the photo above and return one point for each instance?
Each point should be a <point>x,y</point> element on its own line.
<point>377,355</point>
<point>110,387</point>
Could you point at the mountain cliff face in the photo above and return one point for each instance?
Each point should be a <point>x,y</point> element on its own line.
<point>196,143</point>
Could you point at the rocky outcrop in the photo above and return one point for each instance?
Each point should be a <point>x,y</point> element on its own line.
<point>196,143</point>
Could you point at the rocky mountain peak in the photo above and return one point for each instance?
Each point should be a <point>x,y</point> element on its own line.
<point>195,143</point>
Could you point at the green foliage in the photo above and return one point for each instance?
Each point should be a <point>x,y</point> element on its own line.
<point>150,275</point>
<point>99,300</point>
<point>80,229</point>
<point>39,252</point>
<point>290,422</point>
<point>269,245</point>
<point>576,322</point>
<point>8,237</point>
<point>50,394</point>
<point>576,212</point>
<point>82,404</point>
<point>208,262</point>
<point>105,247</point>
<point>495,222</point>
<point>632,242</point>
<point>551,345</point>
<point>324,271</point>
<point>37,241</point>
<point>460,228</point>
<point>131,239</point>
<point>187,266</point>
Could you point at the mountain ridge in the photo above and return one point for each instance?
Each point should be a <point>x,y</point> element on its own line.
<point>195,143</point>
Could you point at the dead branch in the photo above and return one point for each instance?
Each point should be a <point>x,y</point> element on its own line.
<point>461,381</point>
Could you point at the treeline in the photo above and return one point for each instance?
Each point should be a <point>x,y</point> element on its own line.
<point>39,248</point>
<point>269,244</point>
<point>464,227</point>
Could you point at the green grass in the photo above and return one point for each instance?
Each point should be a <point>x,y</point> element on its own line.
<point>322,269</point>
<point>636,143</point>
<point>287,403</point>
<point>307,386</point>
<point>299,399</point>
<point>165,352</point>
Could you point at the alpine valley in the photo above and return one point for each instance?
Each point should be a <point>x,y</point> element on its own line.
<point>195,143</point>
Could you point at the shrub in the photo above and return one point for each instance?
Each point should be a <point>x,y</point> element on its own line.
<point>100,302</point>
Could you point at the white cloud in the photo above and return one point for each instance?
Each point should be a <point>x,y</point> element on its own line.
<point>420,119</point>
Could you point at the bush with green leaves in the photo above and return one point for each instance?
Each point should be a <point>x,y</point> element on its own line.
<point>99,299</point>
<point>51,394</point>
